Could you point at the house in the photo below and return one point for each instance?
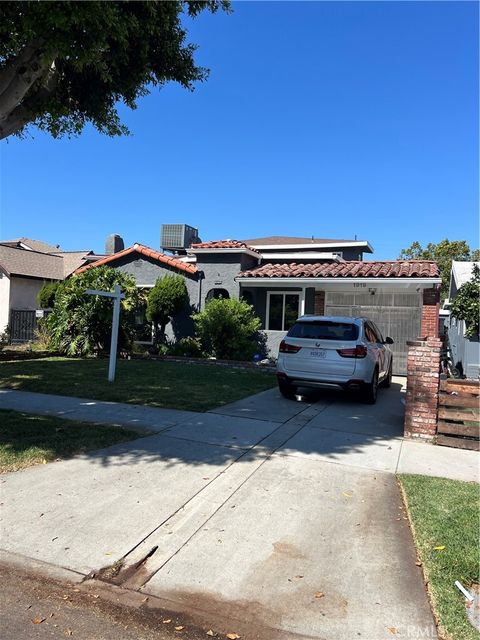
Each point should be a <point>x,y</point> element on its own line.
<point>284,277</point>
<point>25,266</point>
<point>465,352</point>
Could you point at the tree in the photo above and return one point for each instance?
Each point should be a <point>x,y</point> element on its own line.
<point>81,324</point>
<point>167,298</point>
<point>228,329</point>
<point>46,295</point>
<point>63,64</point>
<point>466,305</point>
<point>442,253</point>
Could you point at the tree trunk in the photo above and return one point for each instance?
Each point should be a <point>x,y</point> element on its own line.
<point>16,79</point>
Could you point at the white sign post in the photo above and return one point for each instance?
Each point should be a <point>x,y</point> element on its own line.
<point>117,295</point>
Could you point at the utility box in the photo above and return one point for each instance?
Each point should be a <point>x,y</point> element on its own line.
<point>177,237</point>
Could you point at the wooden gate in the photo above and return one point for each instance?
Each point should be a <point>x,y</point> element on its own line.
<point>459,414</point>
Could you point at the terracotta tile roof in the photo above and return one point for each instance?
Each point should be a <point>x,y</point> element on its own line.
<point>31,264</point>
<point>223,244</point>
<point>350,269</point>
<point>145,251</point>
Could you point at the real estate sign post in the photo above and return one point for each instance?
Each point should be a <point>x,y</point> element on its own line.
<point>117,295</point>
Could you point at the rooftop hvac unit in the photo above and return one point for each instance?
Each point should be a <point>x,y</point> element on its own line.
<point>176,237</point>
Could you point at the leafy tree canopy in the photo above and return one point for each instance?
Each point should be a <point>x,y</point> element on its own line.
<point>81,324</point>
<point>466,305</point>
<point>167,298</point>
<point>442,253</point>
<point>64,64</point>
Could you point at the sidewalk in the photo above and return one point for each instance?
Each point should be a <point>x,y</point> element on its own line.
<point>239,522</point>
<point>408,456</point>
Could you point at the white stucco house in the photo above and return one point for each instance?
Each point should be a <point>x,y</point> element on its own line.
<point>25,266</point>
<point>465,352</point>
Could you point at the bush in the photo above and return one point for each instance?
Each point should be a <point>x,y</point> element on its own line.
<point>5,338</point>
<point>466,305</point>
<point>81,324</point>
<point>228,329</point>
<point>46,295</point>
<point>187,347</point>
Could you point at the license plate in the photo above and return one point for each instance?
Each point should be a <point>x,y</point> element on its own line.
<point>318,353</point>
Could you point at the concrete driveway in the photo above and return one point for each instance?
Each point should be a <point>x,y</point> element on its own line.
<point>267,517</point>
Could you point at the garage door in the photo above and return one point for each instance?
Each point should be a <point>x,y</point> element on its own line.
<point>397,315</point>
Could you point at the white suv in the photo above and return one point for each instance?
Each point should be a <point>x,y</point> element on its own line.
<point>321,351</point>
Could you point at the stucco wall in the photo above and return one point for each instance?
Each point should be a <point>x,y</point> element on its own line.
<point>24,291</point>
<point>146,272</point>
<point>219,272</point>
<point>4,301</point>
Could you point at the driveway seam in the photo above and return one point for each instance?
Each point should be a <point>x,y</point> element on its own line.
<point>267,456</point>
<point>399,455</point>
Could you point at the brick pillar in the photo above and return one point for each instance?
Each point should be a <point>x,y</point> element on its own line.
<point>430,313</point>
<point>320,303</point>
<point>423,380</point>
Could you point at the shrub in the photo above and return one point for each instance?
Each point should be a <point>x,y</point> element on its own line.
<point>166,299</point>
<point>187,347</point>
<point>228,329</point>
<point>46,295</point>
<point>466,305</point>
<point>81,324</point>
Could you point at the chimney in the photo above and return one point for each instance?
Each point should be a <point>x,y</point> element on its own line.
<point>113,243</point>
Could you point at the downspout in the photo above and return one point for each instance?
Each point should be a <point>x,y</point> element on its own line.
<point>201,275</point>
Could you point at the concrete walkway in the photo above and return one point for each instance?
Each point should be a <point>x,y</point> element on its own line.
<point>350,434</point>
<point>268,518</point>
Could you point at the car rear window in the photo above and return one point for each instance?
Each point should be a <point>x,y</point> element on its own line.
<point>324,330</point>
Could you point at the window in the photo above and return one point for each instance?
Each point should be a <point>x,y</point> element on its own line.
<point>378,333</point>
<point>282,310</point>
<point>215,294</point>
<point>372,334</point>
<point>324,330</point>
<point>143,328</point>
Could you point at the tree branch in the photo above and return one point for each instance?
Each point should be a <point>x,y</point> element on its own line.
<point>27,71</point>
<point>17,119</point>
<point>8,71</point>
<point>25,112</point>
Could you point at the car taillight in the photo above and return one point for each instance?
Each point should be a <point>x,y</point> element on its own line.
<point>360,351</point>
<point>288,348</point>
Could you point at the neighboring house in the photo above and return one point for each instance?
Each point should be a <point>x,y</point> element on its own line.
<point>284,277</point>
<point>25,266</point>
<point>465,351</point>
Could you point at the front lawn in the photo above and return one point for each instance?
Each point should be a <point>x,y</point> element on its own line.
<point>26,440</point>
<point>445,521</point>
<point>194,387</point>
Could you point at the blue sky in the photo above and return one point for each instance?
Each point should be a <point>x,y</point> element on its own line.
<point>331,119</point>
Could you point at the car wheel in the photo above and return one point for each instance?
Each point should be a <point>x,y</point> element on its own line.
<point>286,389</point>
<point>388,380</point>
<point>370,394</point>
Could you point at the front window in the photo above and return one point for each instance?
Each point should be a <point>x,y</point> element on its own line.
<point>282,310</point>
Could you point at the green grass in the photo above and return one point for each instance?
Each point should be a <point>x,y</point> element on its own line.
<point>193,387</point>
<point>26,440</point>
<point>446,513</point>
